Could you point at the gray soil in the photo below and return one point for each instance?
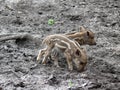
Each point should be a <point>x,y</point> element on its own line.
<point>18,69</point>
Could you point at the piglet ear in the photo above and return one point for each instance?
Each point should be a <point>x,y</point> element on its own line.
<point>77,53</point>
<point>82,28</point>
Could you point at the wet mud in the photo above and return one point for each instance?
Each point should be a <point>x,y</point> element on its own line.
<point>18,66</point>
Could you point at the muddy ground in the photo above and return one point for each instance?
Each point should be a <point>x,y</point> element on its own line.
<point>18,57</point>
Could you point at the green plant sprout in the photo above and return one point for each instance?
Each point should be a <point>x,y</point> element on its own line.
<point>70,84</point>
<point>51,22</point>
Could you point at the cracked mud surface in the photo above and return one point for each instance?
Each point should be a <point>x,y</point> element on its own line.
<point>18,58</point>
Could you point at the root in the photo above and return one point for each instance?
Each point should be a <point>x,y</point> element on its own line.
<point>15,36</point>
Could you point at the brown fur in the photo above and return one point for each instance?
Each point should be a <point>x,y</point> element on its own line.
<point>83,37</point>
<point>70,48</point>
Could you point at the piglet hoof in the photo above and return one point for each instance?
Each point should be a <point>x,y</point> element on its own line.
<point>71,68</point>
<point>43,62</point>
<point>38,59</point>
<point>57,66</point>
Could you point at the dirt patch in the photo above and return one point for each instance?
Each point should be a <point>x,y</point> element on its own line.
<point>18,68</point>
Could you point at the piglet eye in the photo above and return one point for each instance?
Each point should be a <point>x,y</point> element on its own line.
<point>81,63</point>
<point>88,34</point>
